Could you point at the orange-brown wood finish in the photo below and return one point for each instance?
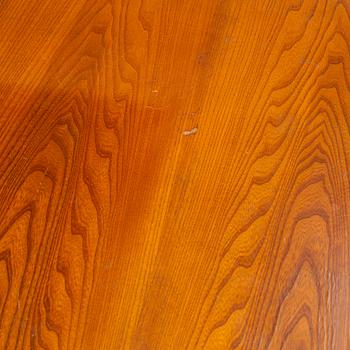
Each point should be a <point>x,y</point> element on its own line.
<point>175,174</point>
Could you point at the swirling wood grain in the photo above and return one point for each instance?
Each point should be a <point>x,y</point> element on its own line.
<point>175,174</point>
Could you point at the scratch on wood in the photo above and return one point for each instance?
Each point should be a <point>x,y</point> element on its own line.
<point>190,132</point>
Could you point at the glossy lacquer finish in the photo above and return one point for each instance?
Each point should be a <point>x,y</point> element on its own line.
<point>175,174</point>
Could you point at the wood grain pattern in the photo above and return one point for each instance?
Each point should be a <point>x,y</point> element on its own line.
<point>175,174</point>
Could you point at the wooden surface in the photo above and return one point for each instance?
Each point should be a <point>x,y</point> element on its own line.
<point>175,174</point>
